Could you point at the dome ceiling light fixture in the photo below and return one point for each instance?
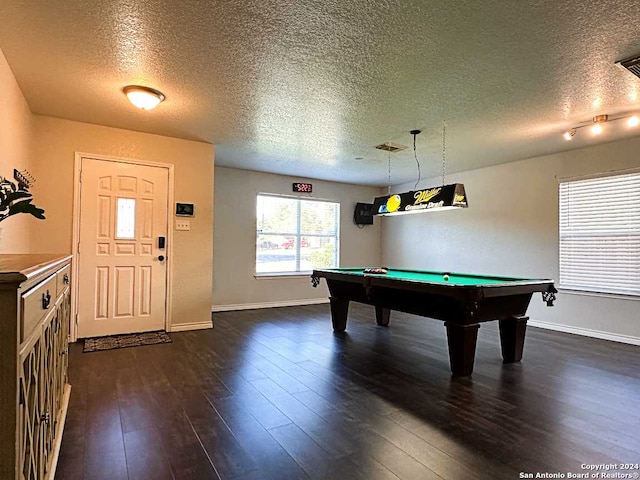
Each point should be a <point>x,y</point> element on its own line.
<point>145,98</point>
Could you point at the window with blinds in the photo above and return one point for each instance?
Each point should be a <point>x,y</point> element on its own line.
<point>600,234</point>
<point>295,235</point>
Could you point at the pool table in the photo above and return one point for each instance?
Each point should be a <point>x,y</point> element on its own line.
<point>463,301</point>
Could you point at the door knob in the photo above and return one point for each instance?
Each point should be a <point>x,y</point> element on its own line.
<point>161,258</point>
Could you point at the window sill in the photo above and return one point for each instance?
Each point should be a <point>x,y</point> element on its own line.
<point>275,276</point>
<point>588,293</point>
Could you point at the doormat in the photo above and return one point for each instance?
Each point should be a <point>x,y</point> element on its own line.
<point>98,344</point>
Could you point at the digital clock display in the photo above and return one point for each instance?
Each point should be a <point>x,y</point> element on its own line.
<point>302,187</point>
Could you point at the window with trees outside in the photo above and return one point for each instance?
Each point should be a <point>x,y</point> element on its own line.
<point>296,235</point>
<point>600,234</point>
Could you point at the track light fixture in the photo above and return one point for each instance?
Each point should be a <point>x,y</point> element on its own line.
<point>597,124</point>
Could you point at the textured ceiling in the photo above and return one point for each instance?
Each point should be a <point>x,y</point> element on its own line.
<point>307,88</point>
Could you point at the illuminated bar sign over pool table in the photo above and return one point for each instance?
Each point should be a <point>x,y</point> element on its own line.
<point>431,199</point>
<point>462,301</point>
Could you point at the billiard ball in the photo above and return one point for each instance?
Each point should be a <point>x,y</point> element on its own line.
<point>445,277</point>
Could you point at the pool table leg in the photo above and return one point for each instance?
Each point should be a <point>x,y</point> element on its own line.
<point>512,333</point>
<point>462,347</point>
<point>339,311</point>
<point>382,316</point>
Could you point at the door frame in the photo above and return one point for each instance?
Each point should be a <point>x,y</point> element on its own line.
<point>79,156</point>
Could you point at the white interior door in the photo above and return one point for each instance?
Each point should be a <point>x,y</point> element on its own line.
<point>122,271</point>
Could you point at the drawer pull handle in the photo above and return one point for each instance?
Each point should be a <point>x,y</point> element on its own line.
<point>64,352</point>
<point>65,279</point>
<point>46,300</point>
<point>46,418</point>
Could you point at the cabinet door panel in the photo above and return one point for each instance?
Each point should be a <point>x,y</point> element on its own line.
<point>48,405</point>
<point>29,410</point>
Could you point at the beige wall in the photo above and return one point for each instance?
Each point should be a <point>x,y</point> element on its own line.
<point>55,144</point>
<point>234,282</point>
<point>511,228</point>
<point>46,147</point>
<point>15,141</point>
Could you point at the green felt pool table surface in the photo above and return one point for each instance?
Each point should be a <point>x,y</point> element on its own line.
<point>459,279</point>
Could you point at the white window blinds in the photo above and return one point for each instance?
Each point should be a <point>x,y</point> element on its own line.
<point>600,234</point>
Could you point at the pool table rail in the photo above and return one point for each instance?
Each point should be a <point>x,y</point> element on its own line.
<point>466,293</point>
<point>461,306</point>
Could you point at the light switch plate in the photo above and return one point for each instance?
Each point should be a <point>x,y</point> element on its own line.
<point>183,224</point>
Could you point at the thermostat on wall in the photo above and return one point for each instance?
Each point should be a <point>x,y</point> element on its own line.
<point>184,209</point>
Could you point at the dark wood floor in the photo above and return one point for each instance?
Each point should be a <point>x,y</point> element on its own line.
<point>274,394</point>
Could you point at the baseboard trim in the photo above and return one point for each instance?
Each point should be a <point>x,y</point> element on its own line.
<point>283,303</point>
<point>183,327</point>
<point>586,332</point>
